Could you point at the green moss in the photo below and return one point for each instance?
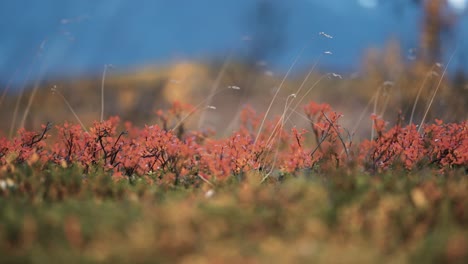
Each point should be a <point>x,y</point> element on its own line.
<point>59,215</point>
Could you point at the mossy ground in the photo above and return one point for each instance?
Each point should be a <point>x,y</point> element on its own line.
<point>58,215</point>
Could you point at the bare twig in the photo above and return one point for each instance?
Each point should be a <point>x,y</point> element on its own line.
<point>338,133</point>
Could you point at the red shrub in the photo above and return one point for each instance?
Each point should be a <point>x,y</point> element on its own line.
<point>168,152</point>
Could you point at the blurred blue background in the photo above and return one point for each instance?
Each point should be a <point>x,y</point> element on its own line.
<point>53,38</point>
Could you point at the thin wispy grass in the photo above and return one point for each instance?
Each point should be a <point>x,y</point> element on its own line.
<point>435,91</point>
<point>37,84</point>
<point>36,57</point>
<point>288,108</point>
<point>215,86</point>
<point>374,111</point>
<point>300,101</point>
<point>363,113</point>
<point>290,111</point>
<point>20,97</point>
<point>276,94</point>
<point>202,105</point>
<point>421,87</point>
<point>56,91</point>
<point>7,87</point>
<point>103,80</point>
<point>279,132</point>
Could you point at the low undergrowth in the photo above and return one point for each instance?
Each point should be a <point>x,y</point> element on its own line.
<point>115,193</point>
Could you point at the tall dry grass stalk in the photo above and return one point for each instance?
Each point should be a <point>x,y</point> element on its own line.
<point>19,98</point>
<point>421,87</point>
<point>215,86</point>
<point>295,95</point>
<point>374,111</point>
<point>33,93</point>
<point>103,80</point>
<point>56,91</point>
<point>7,87</point>
<point>436,90</point>
<point>200,106</point>
<point>363,113</point>
<point>276,94</point>
<point>285,117</point>
<point>30,101</point>
<point>387,96</point>
<point>38,54</point>
<point>293,110</point>
<point>280,130</point>
<point>376,99</point>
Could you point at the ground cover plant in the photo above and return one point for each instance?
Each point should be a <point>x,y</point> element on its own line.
<point>164,193</point>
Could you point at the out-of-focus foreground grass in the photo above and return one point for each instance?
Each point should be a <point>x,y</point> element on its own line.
<point>59,216</point>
